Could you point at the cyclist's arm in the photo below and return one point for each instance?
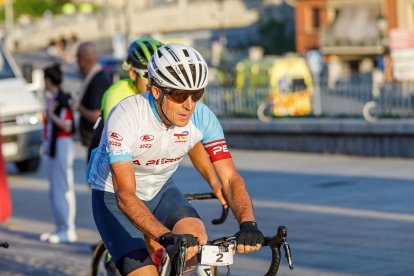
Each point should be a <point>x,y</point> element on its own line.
<point>202,163</point>
<point>235,190</point>
<point>124,187</point>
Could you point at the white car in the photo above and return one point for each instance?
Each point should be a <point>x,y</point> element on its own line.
<point>20,117</point>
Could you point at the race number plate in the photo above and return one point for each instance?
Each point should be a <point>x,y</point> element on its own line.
<point>216,255</point>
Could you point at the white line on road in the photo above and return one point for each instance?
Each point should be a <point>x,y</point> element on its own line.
<point>335,211</point>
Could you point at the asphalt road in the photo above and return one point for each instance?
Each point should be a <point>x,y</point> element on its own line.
<point>345,215</point>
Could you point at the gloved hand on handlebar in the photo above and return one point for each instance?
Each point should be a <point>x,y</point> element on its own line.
<point>249,238</point>
<point>173,242</point>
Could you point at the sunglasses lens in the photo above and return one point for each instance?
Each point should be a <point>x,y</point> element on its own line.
<point>180,96</point>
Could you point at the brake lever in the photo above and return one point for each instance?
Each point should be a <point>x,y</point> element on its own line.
<point>288,254</point>
<point>181,256</point>
<point>282,230</point>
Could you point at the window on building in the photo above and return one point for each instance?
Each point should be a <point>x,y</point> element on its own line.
<point>316,23</point>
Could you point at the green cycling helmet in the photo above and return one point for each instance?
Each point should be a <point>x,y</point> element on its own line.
<point>140,52</point>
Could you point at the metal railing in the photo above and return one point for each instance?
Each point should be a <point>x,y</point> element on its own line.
<point>345,99</point>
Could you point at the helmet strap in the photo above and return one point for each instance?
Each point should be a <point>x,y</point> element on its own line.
<point>159,101</point>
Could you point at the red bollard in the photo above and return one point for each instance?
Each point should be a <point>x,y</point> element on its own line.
<point>5,198</point>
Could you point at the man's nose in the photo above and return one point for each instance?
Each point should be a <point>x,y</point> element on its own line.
<point>188,103</point>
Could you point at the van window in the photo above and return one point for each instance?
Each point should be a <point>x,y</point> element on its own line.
<point>287,85</point>
<point>6,71</point>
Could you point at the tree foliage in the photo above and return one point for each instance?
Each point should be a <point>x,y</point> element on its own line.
<point>276,35</point>
<point>34,8</point>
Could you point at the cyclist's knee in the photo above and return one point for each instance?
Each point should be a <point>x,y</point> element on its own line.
<point>148,270</point>
<point>191,225</point>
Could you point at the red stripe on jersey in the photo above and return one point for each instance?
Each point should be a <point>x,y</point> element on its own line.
<point>219,151</point>
<point>214,142</point>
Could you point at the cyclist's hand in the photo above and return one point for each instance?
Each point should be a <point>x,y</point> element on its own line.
<point>218,192</point>
<point>173,242</point>
<point>249,238</point>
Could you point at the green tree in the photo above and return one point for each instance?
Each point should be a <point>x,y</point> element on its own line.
<point>276,35</point>
<point>34,8</point>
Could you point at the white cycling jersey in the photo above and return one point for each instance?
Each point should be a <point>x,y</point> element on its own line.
<point>134,132</point>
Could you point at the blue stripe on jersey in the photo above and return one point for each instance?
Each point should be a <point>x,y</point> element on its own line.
<point>151,100</point>
<point>206,121</point>
<point>117,156</point>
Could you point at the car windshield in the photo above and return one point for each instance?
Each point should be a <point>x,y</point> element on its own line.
<point>287,85</point>
<point>5,68</point>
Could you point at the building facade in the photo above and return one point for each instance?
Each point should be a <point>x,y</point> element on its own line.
<point>354,32</point>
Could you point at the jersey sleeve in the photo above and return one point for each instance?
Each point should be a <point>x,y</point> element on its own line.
<point>119,133</point>
<point>212,133</point>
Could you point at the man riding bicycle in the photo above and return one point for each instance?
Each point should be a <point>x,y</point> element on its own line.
<point>136,62</point>
<point>144,139</point>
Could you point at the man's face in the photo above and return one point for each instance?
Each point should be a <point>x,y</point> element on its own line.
<point>81,62</point>
<point>140,82</point>
<point>179,113</point>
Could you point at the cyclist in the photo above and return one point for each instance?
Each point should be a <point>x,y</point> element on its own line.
<point>144,139</point>
<point>136,62</point>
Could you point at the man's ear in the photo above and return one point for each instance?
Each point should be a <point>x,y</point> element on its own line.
<point>132,74</point>
<point>155,92</point>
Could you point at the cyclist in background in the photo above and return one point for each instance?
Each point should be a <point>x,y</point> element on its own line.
<point>144,139</point>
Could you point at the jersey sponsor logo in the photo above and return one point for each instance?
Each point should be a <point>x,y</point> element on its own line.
<point>159,161</point>
<point>217,150</point>
<point>114,135</point>
<point>221,148</point>
<point>114,143</point>
<point>136,162</point>
<point>145,146</point>
<point>181,137</point>
<point>147,137</point>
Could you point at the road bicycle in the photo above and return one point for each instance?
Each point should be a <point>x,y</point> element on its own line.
<point>214,254</point>
<point>102,261</point>
<point>219,252</point>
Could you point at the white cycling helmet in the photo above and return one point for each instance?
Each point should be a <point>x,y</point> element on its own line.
<point>178,66</point>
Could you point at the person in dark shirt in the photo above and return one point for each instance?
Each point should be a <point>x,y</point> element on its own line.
<point>94,85</point>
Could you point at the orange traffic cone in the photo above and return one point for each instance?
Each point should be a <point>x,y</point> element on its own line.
<point>5,199</point>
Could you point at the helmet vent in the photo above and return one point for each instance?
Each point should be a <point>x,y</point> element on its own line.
<point>186,53</point>
<point>184,73</point>
<point>200,70</point>
<point>164,77</point>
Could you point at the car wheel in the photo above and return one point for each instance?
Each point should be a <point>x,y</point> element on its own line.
<point>29,165</point>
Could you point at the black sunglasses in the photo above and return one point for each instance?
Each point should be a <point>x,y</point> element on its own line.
<point>180,96</point>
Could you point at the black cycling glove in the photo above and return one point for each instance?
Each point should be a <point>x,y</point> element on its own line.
<point>249,234</point>
<point>174,242</point>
